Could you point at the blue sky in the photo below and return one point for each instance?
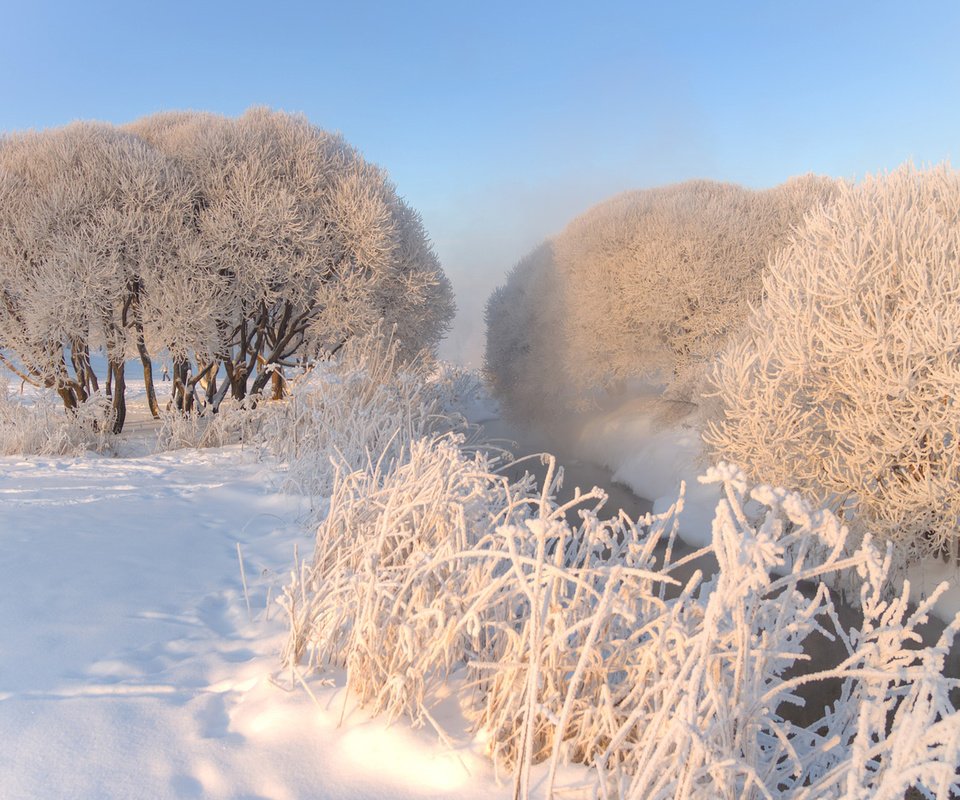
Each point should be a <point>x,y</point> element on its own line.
<point>500,121</point>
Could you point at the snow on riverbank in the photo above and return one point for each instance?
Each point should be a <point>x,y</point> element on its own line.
<point>652,445</point>
<point>129,665</point>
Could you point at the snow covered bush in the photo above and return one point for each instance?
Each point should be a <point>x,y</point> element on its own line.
<point>654,278</point>
<point>647,285</point>
<point>844,383</point>
<point>40,427</point>
<point>736,662</point>
<point>579,644</point>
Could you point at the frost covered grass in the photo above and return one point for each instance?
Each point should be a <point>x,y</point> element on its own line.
<point>579,644</point>
<point>41,427</point>
<point>366,400</point>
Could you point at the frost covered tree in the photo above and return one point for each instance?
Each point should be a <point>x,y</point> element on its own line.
<point>251,244</point>
<point>650,283</point>
<point>844,382</point>
<point>655,280</point>
<point>302,244</point>
<point>652,278</point>
<point>85,211</point>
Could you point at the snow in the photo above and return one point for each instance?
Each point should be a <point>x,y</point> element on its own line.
<point>651,446</point>
<point>129,666</point>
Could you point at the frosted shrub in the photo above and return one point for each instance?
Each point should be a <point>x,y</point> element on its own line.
<point>233,423</point>
<point>654,278</point>
<point>41,428</point>
<point>647,285</point>
<point>844,384</point>
<point>434,562</point>
<point>580,644</point>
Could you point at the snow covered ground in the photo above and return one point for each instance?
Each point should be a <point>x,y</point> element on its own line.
<point>130,666</point>
<point>137,658</point>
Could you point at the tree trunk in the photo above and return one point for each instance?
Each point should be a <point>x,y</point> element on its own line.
<point>278,382</point>
<point>207,379</point>
<point>237,373</point>
<point>189,393</point>
<point>119,395</point>
<point>260,382</point>
<point>180,371</point>
<point>211,388</point>
<point>86,379</point>
<point>94,384</point>
<point>68,397</point>
<point>71,391</point>
<point>147,374</point>
<point>109,379</point>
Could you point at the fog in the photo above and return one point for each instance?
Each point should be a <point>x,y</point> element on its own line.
<point>480,235</point>
<point>482,223</point>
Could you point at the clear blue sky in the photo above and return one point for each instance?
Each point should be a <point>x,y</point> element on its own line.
<point>500,121</point>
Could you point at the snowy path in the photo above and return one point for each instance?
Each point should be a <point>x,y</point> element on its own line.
<point>128,665</point>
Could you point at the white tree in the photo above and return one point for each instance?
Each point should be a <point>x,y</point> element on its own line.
<point>303,243</point>
<point>656,280</point>
<point>83,210</point>
<point>844,383</point>
<point>252,243</point>
<point>649,284</point>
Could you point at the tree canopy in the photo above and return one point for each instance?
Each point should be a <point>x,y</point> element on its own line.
<point>843,382</point>
<point>647,285</point>
<point>250,243</point>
